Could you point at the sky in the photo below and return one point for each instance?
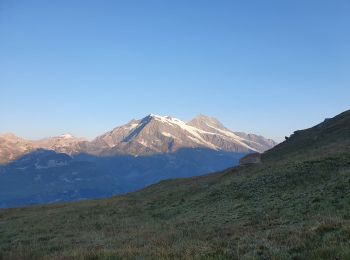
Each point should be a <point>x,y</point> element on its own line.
<point>84,67</point>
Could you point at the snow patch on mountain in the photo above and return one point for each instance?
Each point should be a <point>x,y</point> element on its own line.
<point>66,136</point>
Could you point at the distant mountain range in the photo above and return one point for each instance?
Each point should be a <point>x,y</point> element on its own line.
<point>150,135</point>
<point>128,158</point>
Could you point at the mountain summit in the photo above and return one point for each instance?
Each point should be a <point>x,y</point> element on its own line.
<point>206,123</point>
<point>163,134</point>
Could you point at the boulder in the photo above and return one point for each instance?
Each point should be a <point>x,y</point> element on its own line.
<point>251,158</point>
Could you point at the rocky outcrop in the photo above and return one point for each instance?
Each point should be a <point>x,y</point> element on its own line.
<point>253,158</point>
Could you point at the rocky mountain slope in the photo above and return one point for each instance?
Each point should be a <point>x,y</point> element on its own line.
<point>151,135</point>
<point>295,204</point>
<point>163,134</point>
<point>65,143</point>
<point>257,143</point>
<point>12,147</point>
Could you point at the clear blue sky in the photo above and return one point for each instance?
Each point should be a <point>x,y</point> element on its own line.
<point>84,67</point>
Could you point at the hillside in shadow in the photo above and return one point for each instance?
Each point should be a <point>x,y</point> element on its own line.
<point>44,176</point>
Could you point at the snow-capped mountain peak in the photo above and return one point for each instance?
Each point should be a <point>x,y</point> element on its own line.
<point>66,136</point>
<point>206,123</point>
<point>162,134</point>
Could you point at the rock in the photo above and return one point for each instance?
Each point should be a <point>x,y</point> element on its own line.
<point>252,158</point>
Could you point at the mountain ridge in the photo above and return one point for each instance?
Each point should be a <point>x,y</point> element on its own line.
<point>147,136</point>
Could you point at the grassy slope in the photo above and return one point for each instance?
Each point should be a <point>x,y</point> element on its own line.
<point>332,137</point>
<point>292,208</point>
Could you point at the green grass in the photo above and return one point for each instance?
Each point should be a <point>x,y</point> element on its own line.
<point>294,207</point>
<point>293,211</point>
